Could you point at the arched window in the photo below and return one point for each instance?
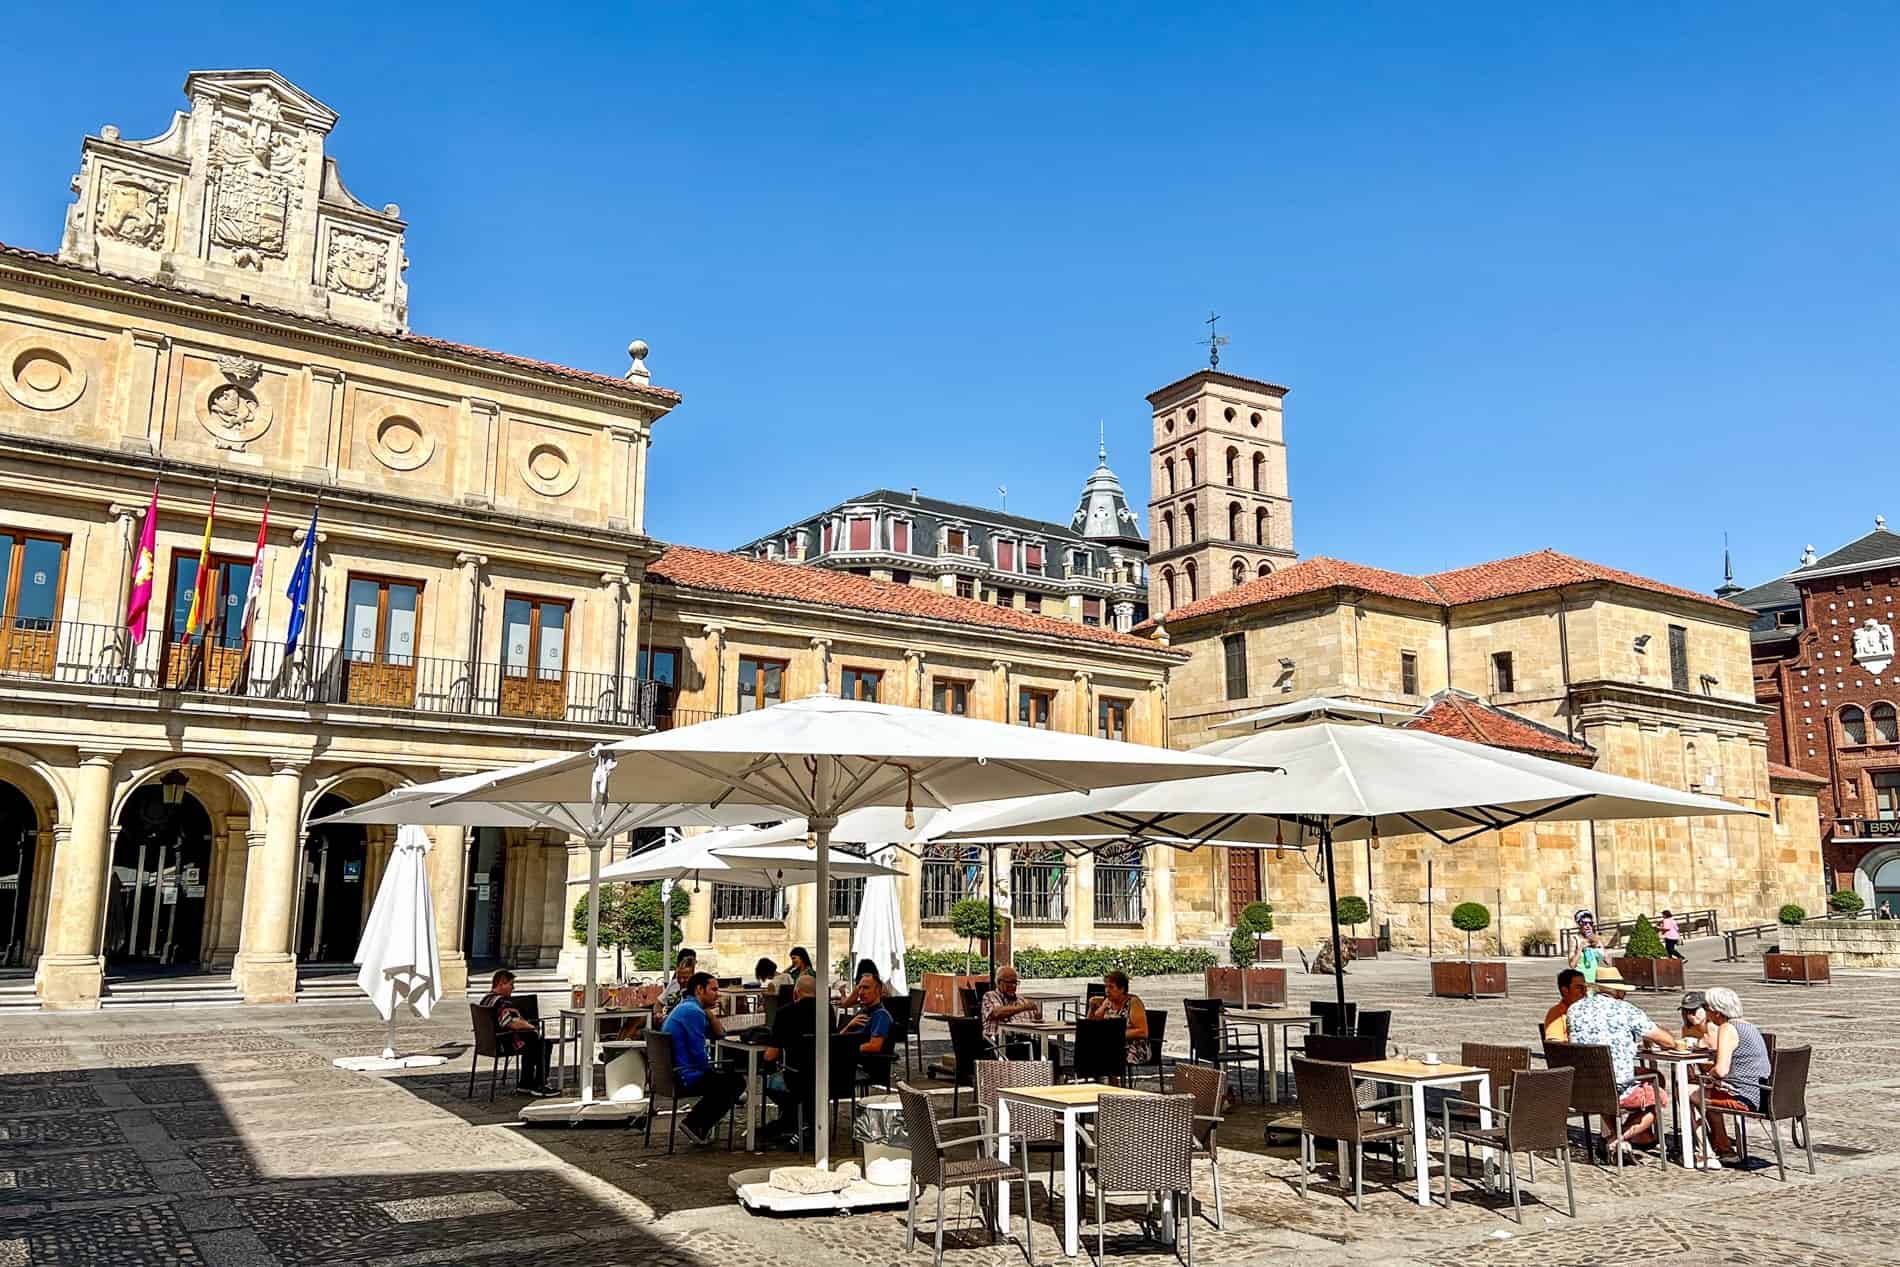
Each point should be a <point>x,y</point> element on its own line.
<point>1886,725</point>
<point>1234,522</point>
<point>1260,526</point>
<point>1187,524</point>
<point>1233,465</point>
<point>1259,470</point>
<point>1266,569</point>
<point>1167,529</point>
<point>1167,584</point>
<point>1192,588</point>
<point>1192,479</point>
<point>1167,466</point>
<point>1853,725</point>
<point>1240,572</point>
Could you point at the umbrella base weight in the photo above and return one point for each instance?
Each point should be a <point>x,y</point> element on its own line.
<point>573,1112</point>
<point>386,1064</point>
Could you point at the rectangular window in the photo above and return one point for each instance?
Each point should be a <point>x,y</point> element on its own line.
<point>847,898</point>
<point>32,581</point>
<point>1003,597</point>
<point>947,695</point>
<point>955,541</point>
<point>1091,611</point>
<point>1079,563</point>
<point>661,666</point>
<point>1111,719</point>
<point>382,619</point>
<point>1234,648</point>
<point>739,904</point>
<point>761,682</point>
<point>222,619</point>
<point>1006,556</point>
<point>1408,672</point>
<point>1119,887</point>
<point>900,577</point>
<point>1887,795</point>
<point>1503,674</point>
<point>1035,708</point>
<point>900,536</point>
<point>1032,560</point>
<point>1678,657</point>
<point>1788,618</point>
<point>1038,885</point>
<point>966,587</point>
<point>858,533</point>
<point>533,657</point>
<point>860,683</point>
<point>825,537</point>
<point>946,875</point>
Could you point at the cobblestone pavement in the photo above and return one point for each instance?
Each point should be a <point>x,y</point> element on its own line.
<point>225,1137</point>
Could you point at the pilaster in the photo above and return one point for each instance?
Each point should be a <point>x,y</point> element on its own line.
<point>72,969</point>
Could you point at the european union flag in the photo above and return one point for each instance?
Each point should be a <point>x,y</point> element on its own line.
<point>302,577</point>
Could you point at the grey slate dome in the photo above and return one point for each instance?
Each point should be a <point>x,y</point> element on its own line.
<point>1103,514</point>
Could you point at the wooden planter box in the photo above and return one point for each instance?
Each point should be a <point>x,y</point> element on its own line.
<point>1803,969</point>
<point>1469,979</point>
<point>1268,949</point>
<point>1264,985</point>
<point>1651,974</point>
<point>1363,947</point>
<point>944,993</point>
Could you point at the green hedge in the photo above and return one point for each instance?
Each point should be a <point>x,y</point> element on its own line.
<point>1072,961</point>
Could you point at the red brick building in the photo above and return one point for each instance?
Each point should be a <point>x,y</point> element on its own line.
<point>1823,652</point>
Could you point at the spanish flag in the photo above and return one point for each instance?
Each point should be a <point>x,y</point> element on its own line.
<point>201,592</point>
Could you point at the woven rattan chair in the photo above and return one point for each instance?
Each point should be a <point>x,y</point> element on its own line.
<point>1209,1089</point>
<point>1593,1090</point>
<point>1784,1099</point>
<point>1330,1021</point>
<point>1142,1145</point>
<point>1538,1121</point>
<point>943,1161</point>
<point>1329,1110</point>
<point>967,1047</point>
<point>1036,1129</point>
<point>487,1043</point>
<point>1500,1061</point>
<point>1157,1035</point>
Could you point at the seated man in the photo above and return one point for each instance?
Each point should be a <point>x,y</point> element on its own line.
<point>685,964</point>
<point>692,1025</point>
<point>1607,1019</point>
<point>872,1025</point>
<point>517,1034</point>
<point>794,1048</point>
<point>1002,1004</point>
<point>1570,987</point>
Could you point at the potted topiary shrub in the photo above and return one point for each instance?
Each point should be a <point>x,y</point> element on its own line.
<point>1792,966</point>
<point>1250,943</point>
<point>1645,963</point>
<point>1845,902</point>
<point>1539,943</point>
<point>1469,978</point>
<point>1353,912</point>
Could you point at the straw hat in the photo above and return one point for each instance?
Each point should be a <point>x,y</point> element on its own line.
<point>1608,978</point>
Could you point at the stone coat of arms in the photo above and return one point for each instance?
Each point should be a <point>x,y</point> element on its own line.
<point>1873,646</point>
<point>257,167</point>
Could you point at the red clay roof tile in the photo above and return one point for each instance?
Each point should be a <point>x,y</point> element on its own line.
<point>1776,770</point>
<point>693,568</point>
<point>1459,716</point>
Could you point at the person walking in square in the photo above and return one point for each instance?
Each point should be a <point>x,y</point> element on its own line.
<point>1671,934</point>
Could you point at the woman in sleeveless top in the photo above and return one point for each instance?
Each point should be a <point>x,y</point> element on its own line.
<point>1118,1002</point>
<point>1740,1069</point>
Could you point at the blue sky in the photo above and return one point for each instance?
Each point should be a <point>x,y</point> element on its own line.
<point>1609,281</point>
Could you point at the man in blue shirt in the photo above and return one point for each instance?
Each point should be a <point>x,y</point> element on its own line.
<point>692,1026</point>
<point>872,1027</point>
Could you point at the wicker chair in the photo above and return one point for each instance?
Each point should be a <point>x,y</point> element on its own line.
<point>913,1031</point>
<point>1330,1021</point>
<point>1593,1091</point>
<point>486,1044</point>
<point>1036,1129</point>
<point>1784,1099</point>
<point>1329,1110</point>
<point>1142,1145</point>
<point>1101,1050</point>
<point>933,1166</point>
<point>1537,1121</point>
<point>1501,1062</point>
<point>1209,1089</point>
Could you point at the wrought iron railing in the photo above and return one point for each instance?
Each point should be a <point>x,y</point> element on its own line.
<point>1039,887</point>
<point>71,653</point>
<point>1120,893</point>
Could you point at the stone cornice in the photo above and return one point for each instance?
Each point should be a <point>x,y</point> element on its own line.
<point>1604,702</point>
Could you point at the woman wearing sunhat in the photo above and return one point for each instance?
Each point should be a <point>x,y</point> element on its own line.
<point>1607,1019</point>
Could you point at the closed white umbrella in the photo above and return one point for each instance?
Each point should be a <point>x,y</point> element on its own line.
<point>820,758</point>
<point>400,964</point>
<point>880,932</point>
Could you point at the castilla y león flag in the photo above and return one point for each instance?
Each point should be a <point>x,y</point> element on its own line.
<point>144,571</point>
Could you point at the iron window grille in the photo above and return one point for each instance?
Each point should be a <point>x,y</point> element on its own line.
<point>949,873</point>
<point>743,904</point>
<point>1039,886</point>
<point>1120,887</point>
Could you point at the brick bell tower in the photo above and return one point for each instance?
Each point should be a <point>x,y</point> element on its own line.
<point>1219,514</point>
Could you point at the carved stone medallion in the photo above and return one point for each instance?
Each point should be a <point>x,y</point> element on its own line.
<point>549,471</point>
<point>356,264</point>
<point>228,409</point>
<point>133,210</point>
<point>399,441</point>
<point>40,376</point>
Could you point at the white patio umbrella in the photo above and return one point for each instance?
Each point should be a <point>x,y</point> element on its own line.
<point>733,856</point>
<point>426,804</point>
<point>821,757</point>
<point>1346,772</point>
<point>879,936</point>
<point>400,964</point>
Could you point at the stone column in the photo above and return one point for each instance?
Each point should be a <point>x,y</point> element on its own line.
<point>72,968</point>
<point>1083,712</point>
<point>1082,900</point>
<point>49,842</point>
<point>715,643</point>
<point>448,861</point>
<point>914,670</point>
<point>266,967</point>
<point>1161,922</point>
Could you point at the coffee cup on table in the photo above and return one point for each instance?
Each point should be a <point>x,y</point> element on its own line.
<point>1428,1058</point>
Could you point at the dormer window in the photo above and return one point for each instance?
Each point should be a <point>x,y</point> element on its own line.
<point>1032,559</point>
<point>900,536</point>
<point>825,537</point>
<point>1006,556</point>
<point>956,541</point>
<point>858,533</point>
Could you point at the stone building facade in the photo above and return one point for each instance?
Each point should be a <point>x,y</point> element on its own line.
<point>1823,651</point>
<point>1541,653</point>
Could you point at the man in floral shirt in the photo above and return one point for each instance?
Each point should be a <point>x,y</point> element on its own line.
<point>1606,1019</point>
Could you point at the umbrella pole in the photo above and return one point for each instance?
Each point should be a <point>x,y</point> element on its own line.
<point>389,1043</point>
<point>593,946</point>
<point>992,937</point>
<point>821,822</point>
<point>1332,914</point>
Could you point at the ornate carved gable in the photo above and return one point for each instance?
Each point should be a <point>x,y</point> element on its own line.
<point>237,198</point>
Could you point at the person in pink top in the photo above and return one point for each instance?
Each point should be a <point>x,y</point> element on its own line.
<point>1671,935</point>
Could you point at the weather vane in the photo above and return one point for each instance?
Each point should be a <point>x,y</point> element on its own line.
<point>1214,342</point>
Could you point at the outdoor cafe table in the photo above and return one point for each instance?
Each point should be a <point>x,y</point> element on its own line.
<point>1677,1066</point>
<point>1070,1103</point>
<point>754,1090</point>
<point>578,1017</point>
<point>1041,1032</point>
<point>1415,1076</point>
<point>1270,1022</point>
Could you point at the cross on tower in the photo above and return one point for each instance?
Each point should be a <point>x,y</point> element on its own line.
<point>1214,342</point>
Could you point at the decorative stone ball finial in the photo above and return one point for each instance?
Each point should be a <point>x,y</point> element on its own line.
<point>638,370</point>
<point>392,210</point>
<point>1807,556</point>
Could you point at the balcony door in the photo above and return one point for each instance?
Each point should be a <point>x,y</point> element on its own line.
<point>383,619</point>
<point>212,660</point>
<point>534,657</point>
<point>32,584</point>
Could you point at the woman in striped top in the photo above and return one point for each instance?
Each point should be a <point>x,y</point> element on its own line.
<point>1740,1070</point>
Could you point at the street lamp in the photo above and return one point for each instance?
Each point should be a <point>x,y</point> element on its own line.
<point>172,789</point>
